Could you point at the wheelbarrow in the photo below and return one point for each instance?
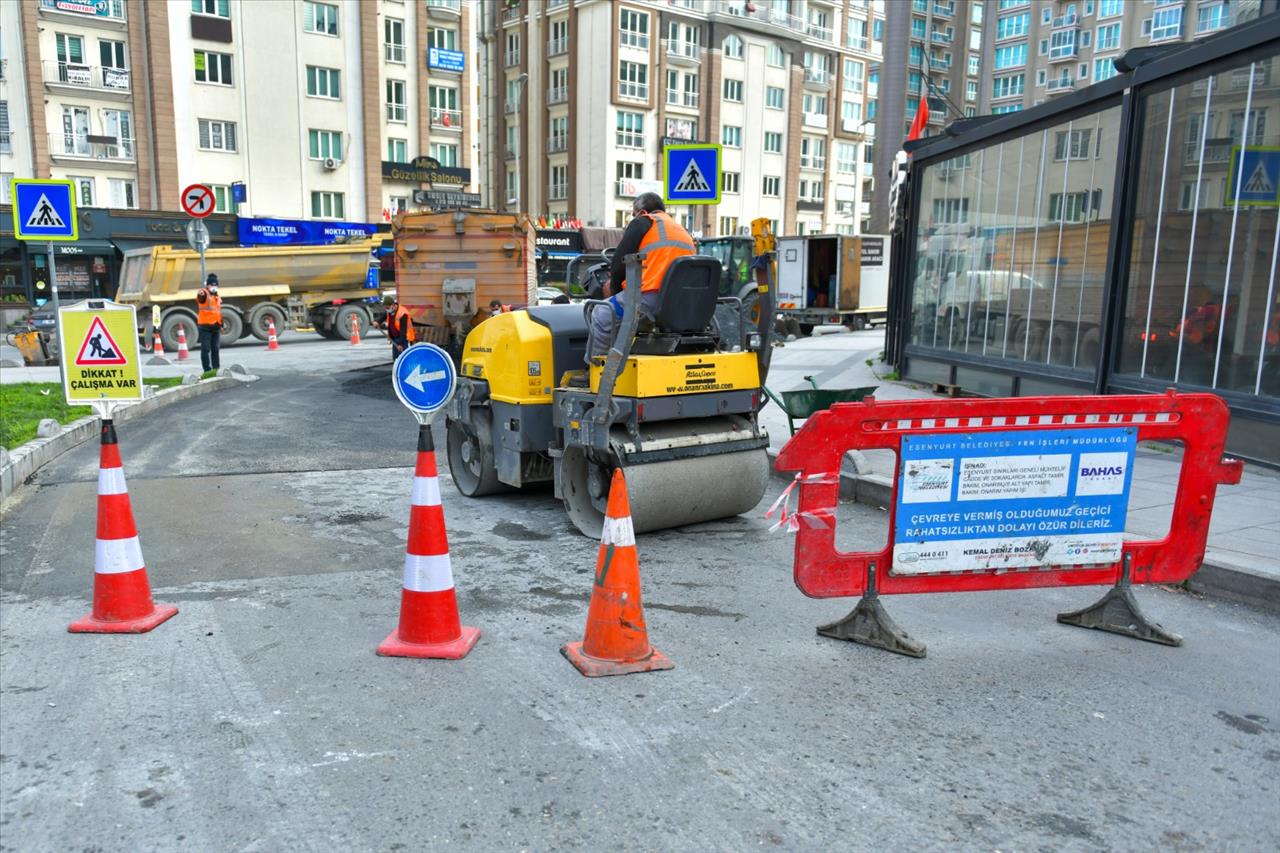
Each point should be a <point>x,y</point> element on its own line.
<point>801,404</point>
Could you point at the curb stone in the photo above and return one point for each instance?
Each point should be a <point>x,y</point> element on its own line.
<point>22,462</point>
<point>1224,582</point>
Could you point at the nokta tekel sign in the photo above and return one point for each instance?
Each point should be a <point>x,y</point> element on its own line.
<point>99,341</point>
<point>1012,499</point>
<point>277,232</point>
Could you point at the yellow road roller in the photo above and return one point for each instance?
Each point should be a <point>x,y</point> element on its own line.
<point>674,404</point>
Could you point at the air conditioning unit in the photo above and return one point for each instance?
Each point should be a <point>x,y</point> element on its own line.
<point>331,163</point>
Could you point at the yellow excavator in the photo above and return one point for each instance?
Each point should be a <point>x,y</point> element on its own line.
<point>674,404</point>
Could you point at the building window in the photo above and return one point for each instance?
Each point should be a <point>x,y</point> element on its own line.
<point>1011,56</point>
<point>815,105</point>
<point>511,186</point>
<point>1108,37</point>
<point>559,140</point>
<point>398,150</point>
<point>323,82</point>
<point>731,136</point>
<point>441,38</point>
<point>559,189</point>
<point>320,18</point>
<point>397,110</point>
<point>112,55</point>
<point>630,130</point>
<point>1041,76</point>
<point>975,64</point>
<point>214,8</point>
<point>950,211</point>
<point>1012,26</point>
<point>1166,23</point>
<point>85,191</point>
<point>770,185</point>
<point>1005,87</point>
<point>971,90</point>
<point>1215,17</point>
<point>846,158</point>
<point>445,153</point>
<point>1072,145</point>
<point>1103,69</point>
<point>327,205</point>
<point>733,90</point>
<point>633,29</point>
<point>1006,108</point>
<point>853,75</point>
<point>811,190</point>
<point>850,114</point>
<point>633,81</point>
<point>813,152</point>
<point>1070,207</point>
<point>772,142</point>
<point>732,47</point>
<point>221,198</point>
<point>324,144</point>
<point>1110,8</point>
<point>443,103</point>
<point>216,135</point>
<point>213,67</point>
<point>775,57</point>
<point>729,181</point>
<point>511,57</point>
<point>774,97</point>
<point>728,225</point>
<point>393,40</point>
<point>397,203</point>
<point>688,46</point>
<point>124,193</point>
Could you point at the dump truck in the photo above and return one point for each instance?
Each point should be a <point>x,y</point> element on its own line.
<point>833,278</point>
<point>325,288</point>
<point>451,265</point>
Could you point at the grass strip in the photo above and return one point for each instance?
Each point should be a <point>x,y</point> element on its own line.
<point>24,404</point>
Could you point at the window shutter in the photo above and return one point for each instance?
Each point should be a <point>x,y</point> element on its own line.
<point>309,17</point>
<point>229,135</point>
<point>204,133</point>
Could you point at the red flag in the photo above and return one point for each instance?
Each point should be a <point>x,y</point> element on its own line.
<point>922,118</point>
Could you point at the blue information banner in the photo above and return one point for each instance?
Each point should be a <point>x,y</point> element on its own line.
<point>1012,500</point>
<point>445,60</point>
<point>281,232</point>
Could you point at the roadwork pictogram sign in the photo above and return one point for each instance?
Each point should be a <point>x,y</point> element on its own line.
<point>104,339</point>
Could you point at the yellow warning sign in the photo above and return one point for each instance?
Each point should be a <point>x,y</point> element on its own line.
<point>99,345</point>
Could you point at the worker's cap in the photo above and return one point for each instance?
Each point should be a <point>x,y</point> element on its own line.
<point>212,279</point>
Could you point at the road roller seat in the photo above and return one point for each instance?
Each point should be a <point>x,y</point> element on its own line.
<point>681,321</point>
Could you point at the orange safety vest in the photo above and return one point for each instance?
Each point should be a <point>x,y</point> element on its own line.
<point>403,323</point>
<point>210,313</point>
<point>665,241</point>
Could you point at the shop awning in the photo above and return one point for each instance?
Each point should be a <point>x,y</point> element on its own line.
<point>80,247</point>
<point>175,240</point>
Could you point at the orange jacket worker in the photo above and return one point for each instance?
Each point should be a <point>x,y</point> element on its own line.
<point>209,319</point>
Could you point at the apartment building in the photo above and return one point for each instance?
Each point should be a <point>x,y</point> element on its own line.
<point>323,110</point>
<point>582,97</point>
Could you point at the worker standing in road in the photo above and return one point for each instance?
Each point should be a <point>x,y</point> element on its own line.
<point>399,326</point>
<point>662,240</point>
<point>209,319</point>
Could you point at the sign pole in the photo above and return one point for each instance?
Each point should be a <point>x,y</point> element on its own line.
<point>55,302</point>
<point>204,275</point>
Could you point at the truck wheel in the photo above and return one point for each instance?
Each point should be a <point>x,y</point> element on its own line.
<point>169,331</point>
<point>471,457</point>
<point>342,322</point>
<point>258,320</point>
<point>1090,348</point>
<point>857,323</point>
<point>232,325</point>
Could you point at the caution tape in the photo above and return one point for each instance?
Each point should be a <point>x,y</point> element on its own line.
<point>792,520</point>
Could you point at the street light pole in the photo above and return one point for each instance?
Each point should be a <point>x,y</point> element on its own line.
<point>521,82</point>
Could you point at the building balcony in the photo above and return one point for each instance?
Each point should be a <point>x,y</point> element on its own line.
<point>683,52</point>
<point>512,13</point>
<point>556,95</point>
<point>1063,54</point>
<point>1063,21</point>
<point>627,38</point>
<point>110,81</point>
<point>676,98</point>
<point>815,120</point>
<point>397,113</point>
<point>555,47</point>
<point>446,9</point>
<point>105,11</point>
<point>817,78</point>
<point>88,147</point>
<point>940,64</point>
<point>940,37</point>
<point>557,144</point>
<point>452,119</point>
<point>558,192</point>
<point>509,151</point>
<point>393,52</point>
<point>820,33</point>
<point>557,4</point>
<point>1060,84</point>
<point>511,58</point>
<point>944,10</point>
<point>856,42</point>
<point>817,164</point>
<point>510,108</point>
<point>633,91</point>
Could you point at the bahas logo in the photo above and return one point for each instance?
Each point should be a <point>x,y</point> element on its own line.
<point>1105,471</point>
<point>1101,473</point>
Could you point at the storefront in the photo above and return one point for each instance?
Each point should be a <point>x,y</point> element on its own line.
<point>555,249</point>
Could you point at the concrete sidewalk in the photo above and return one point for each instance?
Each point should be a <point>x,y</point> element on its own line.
<point>1242,560</point>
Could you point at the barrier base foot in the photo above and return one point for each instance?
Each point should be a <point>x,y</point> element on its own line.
<point>596,667</point>
<point>870,625</point>
<point>140,625</point>
<point>1118,613</point>
<point>456,649</point>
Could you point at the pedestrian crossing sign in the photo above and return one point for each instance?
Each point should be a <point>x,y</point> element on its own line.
<point>100,342</point>
<point>44,210</point>
<point>1254,177</point>
<point>692,174</point>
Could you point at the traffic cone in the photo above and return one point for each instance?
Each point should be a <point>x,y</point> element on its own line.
<point>616,640</point>
<point>157,348</point>
<point>272,343</point>
<point>183,353</point>
<point>355,330</point>
<point>121,595</point>
<point>429,626</point>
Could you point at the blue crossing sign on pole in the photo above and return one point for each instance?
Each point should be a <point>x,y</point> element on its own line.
<point>44,210</point>
<point>424,379</point>
<point>692,174</point>
<point>1254,177</point>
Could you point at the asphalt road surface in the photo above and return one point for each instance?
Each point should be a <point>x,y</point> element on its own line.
<point>259,718</point>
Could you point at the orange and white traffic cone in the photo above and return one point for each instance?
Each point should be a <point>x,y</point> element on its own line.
<point>355,330</point>
<point>271,334</point>
<point>183,353</point>
<point>616,640</point>
<point>157,348</point>
<point>121,595</point>
<point>429,625</point>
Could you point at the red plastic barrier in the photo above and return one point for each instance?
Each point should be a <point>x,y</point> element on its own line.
<point>1199,421</point>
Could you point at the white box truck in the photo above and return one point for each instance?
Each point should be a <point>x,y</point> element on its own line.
<point>833,279</point>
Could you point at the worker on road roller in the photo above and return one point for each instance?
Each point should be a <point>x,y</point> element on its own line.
<point>674,403</point>
<point>661,239</point>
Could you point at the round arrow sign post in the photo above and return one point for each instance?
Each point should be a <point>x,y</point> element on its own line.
<point>424,380</point>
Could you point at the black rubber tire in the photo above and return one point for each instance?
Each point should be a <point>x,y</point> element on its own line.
<point>806,329</point>
<point>342,322</point>
<point>169,331</point>
<point>328,332</point>
<point>471,457</point>
<point>1090,348</point>
<point>232,326</point>
<point>258,320</point>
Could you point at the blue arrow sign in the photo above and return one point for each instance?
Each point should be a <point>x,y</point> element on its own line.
<point>44,210</point>
<point>692,174</point>
<point>424,379</point>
